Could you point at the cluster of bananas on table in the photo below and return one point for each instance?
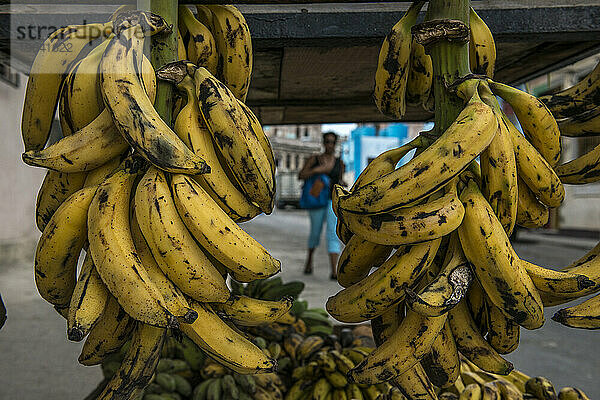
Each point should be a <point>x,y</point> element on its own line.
<point>475,384</point>
<point>404,73</point>
<point>447,280</point>
<point>155,209</point>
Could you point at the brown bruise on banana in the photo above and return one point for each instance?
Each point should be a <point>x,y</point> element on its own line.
<point>442,363</point>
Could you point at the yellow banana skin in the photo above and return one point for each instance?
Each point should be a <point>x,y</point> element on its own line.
<point>260,134</point>
<point>88,302</point>
<point>584,169</point>
<point>173,247</point>
<point>47,74</point>
<point>242,255</point>
<point>132,110</point>
<point>482,48</point>
<point>401,351</point>
<point>234,48</point>
<point>530,212</point>
<point>471,343</point>
<point>139,364</point>
<point>192,130</point>
<point>442,363</point>
<point>80,99</point>
<point>174,300</point>
<point>431,220</point>
<point>84,150</point>
<point>577,99</point>
<point>420,77</point>
<point>55,189</point>
<point>571,393</point>
<point>540,387</point>
<point>235,139</point>
<point>377,292</point>
<point>549,280</point>
<point>113,251</point>
<point>357,259</point>
<point>205,49</point>
<point>96,176</point>
<point>496,265</point>
<point>503,333</point>
<point>224,344</point>
<point>539,126</point>
<point>447,289</point>
<point>459,145</point>
<point>585,315</point>
<point>107,335</point>
<point>581,125</point>
<point>59,247</point>
<point>246,311</point>
<point>499,170</point>
<point>471,392</point>
<point>394,65</point>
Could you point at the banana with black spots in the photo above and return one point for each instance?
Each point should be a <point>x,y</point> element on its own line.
<point>437,165</point>
<point>202,49</point>
<point>420,76</point>
<point>482,48</point>
<point>393,66</point>
<point>247,311</point>
<point>581,170</point>
<point>530,212</point>
<point>442,363</point>
<point>357,259</point>
<point>585,315</point>
<point>55,189</point>
<point>503,333</point>
<point>581,125</point>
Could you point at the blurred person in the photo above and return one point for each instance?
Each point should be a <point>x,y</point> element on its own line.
<point>325,163</point>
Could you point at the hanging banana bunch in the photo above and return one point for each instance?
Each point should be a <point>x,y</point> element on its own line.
<point>448,283</point>
<point>156,208</point>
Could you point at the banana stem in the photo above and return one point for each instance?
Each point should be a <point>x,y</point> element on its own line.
<point>450,61</point>
<point>163,50</point>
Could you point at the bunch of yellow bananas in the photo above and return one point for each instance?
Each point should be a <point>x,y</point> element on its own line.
<point>448,281</point>
<point>156,209</point>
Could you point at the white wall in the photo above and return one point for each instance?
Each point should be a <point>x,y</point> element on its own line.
<point>18,181</point>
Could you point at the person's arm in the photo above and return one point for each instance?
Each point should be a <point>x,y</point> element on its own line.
<point>342,170</point>
<point>311,168</point>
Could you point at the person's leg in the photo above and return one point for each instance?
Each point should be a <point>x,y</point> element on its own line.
<point>333,242</point>
<point>317,216</point>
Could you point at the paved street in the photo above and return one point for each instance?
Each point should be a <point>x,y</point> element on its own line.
<point>38,362</point>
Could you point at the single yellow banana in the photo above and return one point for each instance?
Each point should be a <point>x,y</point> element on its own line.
<point>477,305</point>
<point>401,351</point>
<point>449,286</point>
<point>471,343</point>
<point>139,364</point>
<point>550,280</point>
<point>235,139</point>
<point>84,150</point>
<point>357,259</point>
<point>420,76</point>
<point>172,245</point>
<point>530,212</point>
<point>442,363</point>
<point>247,311</point>
<point>181,51</point>
<point>503,333</point>
<point>459,145</point>
<point>579,98</point>
<point>59,247</point>
<point>499,169</point>
<point>377,292</point>
<point>583,169</point>
<point>234,48</point>
<point>132,109</point>
<point>581,125</point>
<point>55,189</point>
<point>111,331</point>
<point>482,48</point>
<point>55,58</point>
<point>191,129</point>
<point>96,176</point>
<point>585,315</point>
<point>201,40</point>
<point>439,216</point>
<point>242,255</point>
<point>174,300</point>
<point>540,387</point>
<point>393,67</point>
<point>539,126</point>
<point>471,392</point>
<point>113,251</point>
<point>322,389</point>
<point>88,301</point>
<point>225,344</point>
<point>497,267</point>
